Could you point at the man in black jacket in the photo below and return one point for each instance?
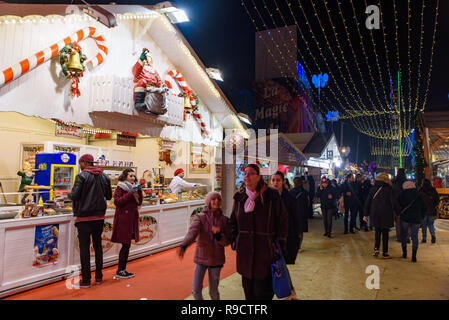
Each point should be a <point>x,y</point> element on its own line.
<point>89,194</point>
<point>328,197</point>
<point>352,203</point>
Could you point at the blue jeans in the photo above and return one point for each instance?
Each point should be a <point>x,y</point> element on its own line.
<point>428,223</point>
<point>414,231</point>
<point>214,279</point>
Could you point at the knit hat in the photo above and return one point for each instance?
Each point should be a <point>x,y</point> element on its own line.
<point>408,185</point>
<point>383,177</point>
<point>87,158</point>
<point>178,171</point>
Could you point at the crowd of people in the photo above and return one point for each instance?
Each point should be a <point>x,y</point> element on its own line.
<point>380,205</point>
<point>263,213</point>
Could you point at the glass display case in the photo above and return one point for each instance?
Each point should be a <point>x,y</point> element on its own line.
<point>30,208</point>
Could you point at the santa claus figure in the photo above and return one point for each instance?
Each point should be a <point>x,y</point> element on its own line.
<point>146,80</point>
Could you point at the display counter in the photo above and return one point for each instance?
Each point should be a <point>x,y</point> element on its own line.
<point>40,250</point>
<point>443,206</point>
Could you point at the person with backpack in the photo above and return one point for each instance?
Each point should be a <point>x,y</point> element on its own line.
<point>413,211</point>
<point>432,200</point>
<point>381,207</point>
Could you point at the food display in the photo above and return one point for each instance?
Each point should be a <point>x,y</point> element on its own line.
<point>110,204</point>
<point>192,195</point>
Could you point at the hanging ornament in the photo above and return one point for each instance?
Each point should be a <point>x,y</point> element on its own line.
<point>233,142</point>
<point>72,61</point>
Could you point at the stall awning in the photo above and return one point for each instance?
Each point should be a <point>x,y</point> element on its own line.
<point>436,126</point>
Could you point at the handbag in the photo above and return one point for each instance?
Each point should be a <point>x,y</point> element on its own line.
<point>408,207</point>
<point>280,275</point>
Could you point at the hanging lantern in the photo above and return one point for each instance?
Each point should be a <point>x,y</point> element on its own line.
<point>233,142</point>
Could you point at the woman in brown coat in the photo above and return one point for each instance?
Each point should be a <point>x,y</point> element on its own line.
<point>127,198</point>
<point>210,228</point>
<point>258,218</point>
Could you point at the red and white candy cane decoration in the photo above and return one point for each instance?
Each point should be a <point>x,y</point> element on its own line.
<point>178,77</point>
<point>40,57</point>
<point>175,74</point>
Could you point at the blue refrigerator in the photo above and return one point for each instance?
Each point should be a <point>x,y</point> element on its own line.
<point>56,170</point>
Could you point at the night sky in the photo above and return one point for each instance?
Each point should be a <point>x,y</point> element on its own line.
<point>223,36</point>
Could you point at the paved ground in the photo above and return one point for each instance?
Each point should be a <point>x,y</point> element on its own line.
<point>326,269</point>
<point>335,268</point>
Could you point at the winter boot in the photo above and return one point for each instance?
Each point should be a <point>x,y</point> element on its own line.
<point>404,252</point>
<point>414,255</point>
<point>139,101</point>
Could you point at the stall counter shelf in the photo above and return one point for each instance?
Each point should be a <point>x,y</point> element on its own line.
<point>162,227</point>
<point>443,206</point>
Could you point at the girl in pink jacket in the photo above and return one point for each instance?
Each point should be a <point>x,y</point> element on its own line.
<point>209,228</point>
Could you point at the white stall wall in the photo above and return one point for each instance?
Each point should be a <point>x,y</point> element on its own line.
<point>16,129</point>
<point>44,91</point>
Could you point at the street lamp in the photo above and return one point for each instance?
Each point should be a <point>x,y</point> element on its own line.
<point>174,14</point>
<point>214,74</point>
<point>244,118</point>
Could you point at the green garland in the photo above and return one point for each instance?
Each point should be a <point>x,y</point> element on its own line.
<point>64,56</point>
<point>420,159</point>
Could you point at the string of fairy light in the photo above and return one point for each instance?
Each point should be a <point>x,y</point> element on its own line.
<point>431,55</point>
<point>342,55</point>
<point>292,58</point>
<point>380,119</point>
<point>316,63</point>
<point>383,126</point>
<point>381,147</point>
<point>243,3</point>
<point>268,48</point>
<point>325,60</point>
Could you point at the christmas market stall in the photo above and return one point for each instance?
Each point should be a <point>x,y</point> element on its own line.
<point>435,136</point>
<point>127,89</point>
<point>322,153</point>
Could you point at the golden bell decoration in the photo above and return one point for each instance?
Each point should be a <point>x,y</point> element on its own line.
<point>187,105</point>
<point>74,62</point>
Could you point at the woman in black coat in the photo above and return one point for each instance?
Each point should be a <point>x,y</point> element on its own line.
<point>381,206</point>
<point>413,211</point>
<point>258,218</point>
<point>294,218</point>
<point>304,202</point>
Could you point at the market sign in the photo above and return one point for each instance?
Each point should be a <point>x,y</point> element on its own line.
<point>168,144</point>
<point>64,130</point>
<point>124,140</point>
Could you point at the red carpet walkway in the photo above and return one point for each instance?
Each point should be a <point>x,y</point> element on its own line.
<point>159,277</point>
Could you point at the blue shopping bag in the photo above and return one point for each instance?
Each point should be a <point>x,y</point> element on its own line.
<point>280,275</point>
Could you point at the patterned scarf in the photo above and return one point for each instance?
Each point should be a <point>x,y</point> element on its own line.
<point>250,203</point>
<point>126,185</point>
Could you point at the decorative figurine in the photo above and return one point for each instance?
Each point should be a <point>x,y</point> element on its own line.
<point>27,175</point>
<point>149,90</point>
